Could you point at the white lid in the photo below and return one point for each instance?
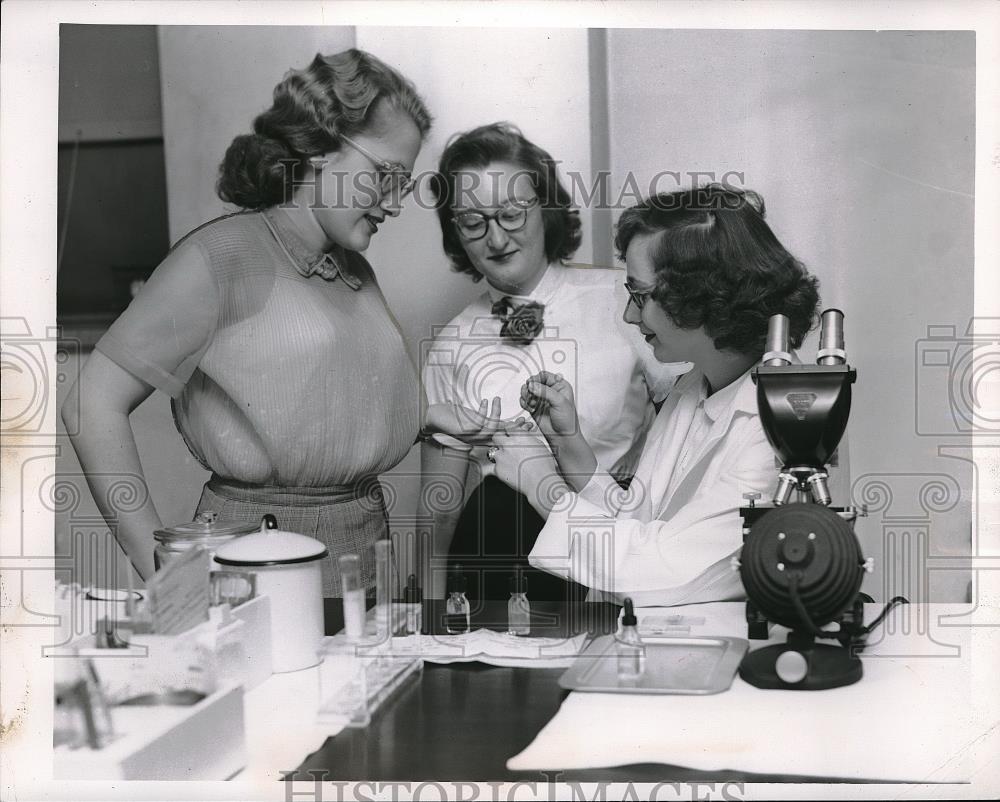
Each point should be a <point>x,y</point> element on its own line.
<point>270,547</point>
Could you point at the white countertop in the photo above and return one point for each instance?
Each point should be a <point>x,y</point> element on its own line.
<point>910,718</point>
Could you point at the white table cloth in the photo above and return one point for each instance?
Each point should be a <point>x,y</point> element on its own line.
<point>909,719</point>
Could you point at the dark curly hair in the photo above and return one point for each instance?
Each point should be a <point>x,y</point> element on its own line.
<point>719,265</point>
<point>334,95</point>
<point>504,142</point>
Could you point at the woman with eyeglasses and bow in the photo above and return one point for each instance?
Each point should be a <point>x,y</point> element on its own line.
<point>268,330</point>
<point>506,218</point>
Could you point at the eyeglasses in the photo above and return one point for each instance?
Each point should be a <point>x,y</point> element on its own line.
<point>473,225</point>
<point>638,298</point>
<point>393,177</point>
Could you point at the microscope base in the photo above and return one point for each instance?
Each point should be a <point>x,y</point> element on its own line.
<point>801,667</point>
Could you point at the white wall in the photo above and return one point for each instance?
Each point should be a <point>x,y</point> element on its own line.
<point>862,145</point>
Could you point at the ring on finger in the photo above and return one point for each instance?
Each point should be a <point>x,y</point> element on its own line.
<point>491,454</point>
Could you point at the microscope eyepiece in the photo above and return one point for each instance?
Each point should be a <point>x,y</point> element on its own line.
<point>831,339</point>
<point>776,350</point>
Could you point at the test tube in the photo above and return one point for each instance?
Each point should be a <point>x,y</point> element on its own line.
<point>383,588</point>
<point>354,596</point>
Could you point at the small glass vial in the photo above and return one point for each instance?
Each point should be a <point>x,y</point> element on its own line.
<point>456,608</point>
<point>353,597</point>
<point>518,609</point>
<point>413,601</point>
<point>631,651</point>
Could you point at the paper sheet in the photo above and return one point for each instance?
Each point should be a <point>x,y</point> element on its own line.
<point>178,593</point>
<point>908,719</point>
<point>492,648</point>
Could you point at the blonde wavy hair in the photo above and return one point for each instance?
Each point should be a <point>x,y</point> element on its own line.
<point>335,95</point>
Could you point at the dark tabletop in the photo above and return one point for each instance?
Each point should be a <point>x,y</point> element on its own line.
<point>462,722</point>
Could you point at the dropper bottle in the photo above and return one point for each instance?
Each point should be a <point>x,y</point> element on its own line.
<point>518,609</point>
<point>456,608</point>
<point>631,651</point>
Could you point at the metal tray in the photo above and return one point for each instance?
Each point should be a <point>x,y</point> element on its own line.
<point>672,665</point>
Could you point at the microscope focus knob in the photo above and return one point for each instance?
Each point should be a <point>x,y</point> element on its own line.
<point>791,667</point>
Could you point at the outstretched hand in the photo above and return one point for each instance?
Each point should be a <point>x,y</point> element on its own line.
<point>549,399</point>
<point>471,426</point>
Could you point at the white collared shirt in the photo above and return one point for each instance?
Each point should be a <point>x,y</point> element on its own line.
<point>670,538</point>
<point>612,370</point>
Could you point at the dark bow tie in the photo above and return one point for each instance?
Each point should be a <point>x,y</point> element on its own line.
<point>519,324</point>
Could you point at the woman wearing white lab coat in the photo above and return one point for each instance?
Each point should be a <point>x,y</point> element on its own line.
<point>705,274</point>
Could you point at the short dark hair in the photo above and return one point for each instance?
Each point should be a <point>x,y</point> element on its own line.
<point>719,265</point>
<point>504,142</point>
<point>311,109</point>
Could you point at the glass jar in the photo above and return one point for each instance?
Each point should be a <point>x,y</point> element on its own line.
<point>205,530</point>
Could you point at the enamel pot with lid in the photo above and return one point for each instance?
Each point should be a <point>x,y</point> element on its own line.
<point>288,571</point>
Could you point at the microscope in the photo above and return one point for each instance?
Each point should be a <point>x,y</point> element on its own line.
<point>801,563</point>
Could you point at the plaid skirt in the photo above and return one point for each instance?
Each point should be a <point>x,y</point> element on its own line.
<point>347,519</point>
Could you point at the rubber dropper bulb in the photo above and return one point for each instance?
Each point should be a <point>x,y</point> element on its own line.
<point>628,617</point>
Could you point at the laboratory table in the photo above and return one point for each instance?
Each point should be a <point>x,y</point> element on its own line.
<point>462,721</point>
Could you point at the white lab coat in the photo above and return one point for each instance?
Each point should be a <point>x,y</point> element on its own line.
<point>670,539</point>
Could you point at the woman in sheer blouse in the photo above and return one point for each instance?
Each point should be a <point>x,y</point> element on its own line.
<point>288,375</point>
